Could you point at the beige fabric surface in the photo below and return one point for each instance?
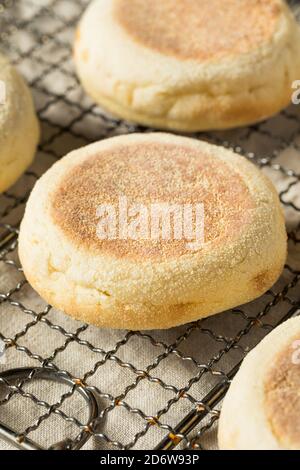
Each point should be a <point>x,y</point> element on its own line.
<point>173,358</point>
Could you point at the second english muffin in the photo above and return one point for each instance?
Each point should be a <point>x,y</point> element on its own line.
<point>96,240</point>
<point>189,65</point>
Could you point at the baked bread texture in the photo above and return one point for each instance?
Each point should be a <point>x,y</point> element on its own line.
<point>19,129</point>
<point>148,282</point>
<point>189,65</point>
<point>261,410</point>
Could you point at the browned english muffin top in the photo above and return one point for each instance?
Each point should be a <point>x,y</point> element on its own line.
<point>282,395</point>
<point>149,173</point>
<point>198,29</point>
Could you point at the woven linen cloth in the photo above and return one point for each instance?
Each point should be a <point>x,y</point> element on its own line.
<point>147,371</point>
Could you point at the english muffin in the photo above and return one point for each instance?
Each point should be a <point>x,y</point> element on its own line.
<point>189,65</point>
<point>262,407</point>
<point>78,253</point>
<point>19,130</point>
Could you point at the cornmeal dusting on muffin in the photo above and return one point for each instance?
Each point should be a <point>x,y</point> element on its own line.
<point>147,174</point>
<point>282,398</point>
<point>200,30</point>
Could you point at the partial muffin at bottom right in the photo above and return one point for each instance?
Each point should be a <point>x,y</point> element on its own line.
<point>261,410</point>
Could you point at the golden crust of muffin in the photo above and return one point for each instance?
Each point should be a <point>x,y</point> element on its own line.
<point>282,395</point>
<point>148,174</point>
<point>199,30</point>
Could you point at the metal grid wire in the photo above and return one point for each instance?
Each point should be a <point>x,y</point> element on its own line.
<point>184,371</point>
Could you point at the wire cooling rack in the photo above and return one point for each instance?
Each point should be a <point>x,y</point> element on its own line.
<point>65,385</point>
